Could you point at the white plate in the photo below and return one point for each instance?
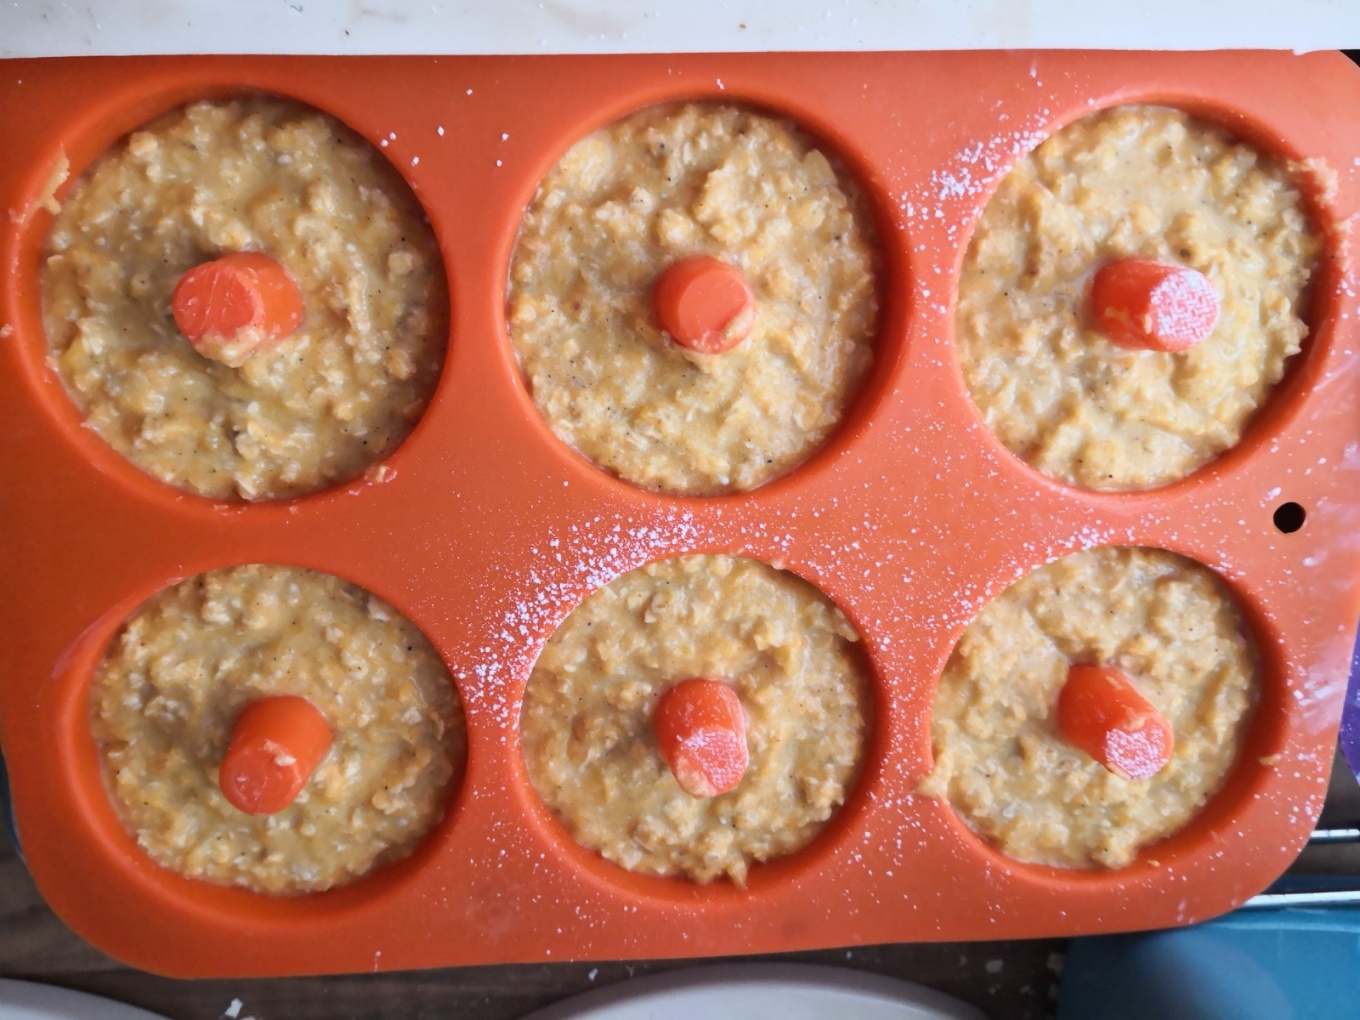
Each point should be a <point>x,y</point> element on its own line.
<point>24,1000</point>
<point>761,991</point>
<point>36,28</point>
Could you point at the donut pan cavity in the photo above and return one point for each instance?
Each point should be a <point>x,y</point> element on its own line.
<point>486,531</point>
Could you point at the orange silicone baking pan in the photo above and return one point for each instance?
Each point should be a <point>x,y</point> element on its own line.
<point>486,531</point>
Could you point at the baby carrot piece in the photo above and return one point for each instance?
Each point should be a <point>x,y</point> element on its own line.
<point>701,733</point>
<point>235,305</point>
<point>705,305</point>
<point>1102,713</point>
<point>276,745</point>
<point>1153,306</point>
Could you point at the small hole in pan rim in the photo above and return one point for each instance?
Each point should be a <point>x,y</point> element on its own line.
<point>894,290</point>
<point>1289,517</point>
<point>81,140</point>
<point>116,851</point>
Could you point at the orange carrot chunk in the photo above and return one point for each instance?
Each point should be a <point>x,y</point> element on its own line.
<point>705,305</point>
<point>701,733</point>
<point>276,745</point>
<point>1153,306</point>
<point>235,305</point>
<point>1102,713</point>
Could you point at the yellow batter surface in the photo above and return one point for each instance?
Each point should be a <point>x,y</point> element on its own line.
<point>793,659</point>
<point>1145,182</point>
<point>180,671</point>
<point>630,200</point>
<point>1000,760</point>
<point>259,175</point>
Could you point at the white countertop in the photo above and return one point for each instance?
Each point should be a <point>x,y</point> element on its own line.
<point>115,27</point>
